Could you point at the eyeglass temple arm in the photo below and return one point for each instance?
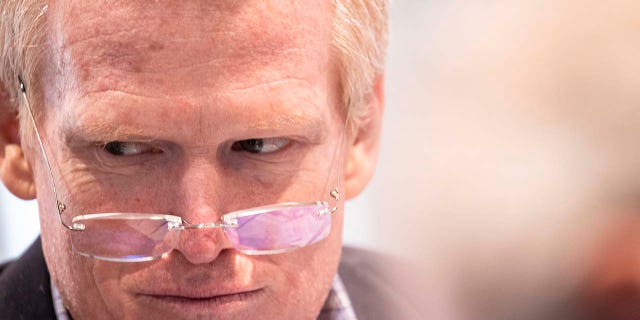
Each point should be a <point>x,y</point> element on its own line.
<point>59,205</point>
<point>335,192</point>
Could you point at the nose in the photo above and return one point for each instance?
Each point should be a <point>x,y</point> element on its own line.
<point>199,197</point>
<point>200,246</point>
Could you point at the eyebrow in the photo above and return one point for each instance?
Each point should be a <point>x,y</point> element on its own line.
<point>102,131</point>
<point>293,120</point>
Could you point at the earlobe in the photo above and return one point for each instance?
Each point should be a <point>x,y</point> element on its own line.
<point>16,173</point>
<point>363,151</point>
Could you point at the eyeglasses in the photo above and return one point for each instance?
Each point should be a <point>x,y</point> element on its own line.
<point>137,237</point>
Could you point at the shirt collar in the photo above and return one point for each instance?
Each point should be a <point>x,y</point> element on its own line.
<point>338,305</point>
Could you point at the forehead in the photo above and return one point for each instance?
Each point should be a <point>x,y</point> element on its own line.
<point>148,45</point>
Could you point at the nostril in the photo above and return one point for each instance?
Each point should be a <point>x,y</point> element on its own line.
<point>201,245</point>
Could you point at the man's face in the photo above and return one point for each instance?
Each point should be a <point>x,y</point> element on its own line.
<point>145,107</point>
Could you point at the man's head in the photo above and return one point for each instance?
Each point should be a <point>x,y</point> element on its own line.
<point>156,107</point>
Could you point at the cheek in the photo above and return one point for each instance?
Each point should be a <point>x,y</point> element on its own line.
<point>72,274</point>
<point>308,275</point>
<point>90,287</point>
<point>107,277</point>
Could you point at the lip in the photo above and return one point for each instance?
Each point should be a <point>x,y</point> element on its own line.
<point>199,303</point>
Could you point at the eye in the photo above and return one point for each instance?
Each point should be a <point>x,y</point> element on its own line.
<point>121,148</point>
<point>264,145</point>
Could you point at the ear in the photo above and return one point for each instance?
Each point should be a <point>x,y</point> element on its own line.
<point>15,170</point>
<point>363,151</point>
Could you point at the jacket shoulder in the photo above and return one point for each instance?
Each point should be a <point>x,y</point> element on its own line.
<point>379,286</point>
<point>25,289</point>
<point>4,266</point>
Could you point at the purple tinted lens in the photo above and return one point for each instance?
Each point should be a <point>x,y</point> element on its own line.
<point>121,239</point>
<point>282,228</point>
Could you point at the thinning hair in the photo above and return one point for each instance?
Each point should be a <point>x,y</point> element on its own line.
<point>359,45</point>
<point>21,45</point>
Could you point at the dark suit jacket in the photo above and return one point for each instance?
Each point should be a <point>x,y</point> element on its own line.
<point>25,290</point>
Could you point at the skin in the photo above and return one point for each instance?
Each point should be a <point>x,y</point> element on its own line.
<point>185,81</point>
<point>612,286</point>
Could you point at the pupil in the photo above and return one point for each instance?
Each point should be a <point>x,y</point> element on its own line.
<point>115,148</point>
<point>252,145</point>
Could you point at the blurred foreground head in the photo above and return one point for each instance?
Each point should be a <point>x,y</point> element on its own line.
<point>516,126</point>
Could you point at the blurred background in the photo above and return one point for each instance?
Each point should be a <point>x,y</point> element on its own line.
<point>509,167</point>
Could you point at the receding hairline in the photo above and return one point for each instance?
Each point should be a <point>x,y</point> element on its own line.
<point>359,40</point>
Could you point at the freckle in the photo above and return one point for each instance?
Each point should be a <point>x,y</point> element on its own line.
<point>136,66</point>
<point>156,46</point>
<point>137,200</point>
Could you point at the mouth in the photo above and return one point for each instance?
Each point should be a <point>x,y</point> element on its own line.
<point>204,304</point>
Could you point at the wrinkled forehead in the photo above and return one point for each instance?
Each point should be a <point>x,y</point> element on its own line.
<point>100,45</point>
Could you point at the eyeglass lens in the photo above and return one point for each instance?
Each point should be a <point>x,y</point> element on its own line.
<point>117,237</point>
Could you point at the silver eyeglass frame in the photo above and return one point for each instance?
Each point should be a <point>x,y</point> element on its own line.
<point>227,220</point>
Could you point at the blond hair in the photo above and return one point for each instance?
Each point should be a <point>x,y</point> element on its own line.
<point>359,43</point>
<point>21,32</point>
